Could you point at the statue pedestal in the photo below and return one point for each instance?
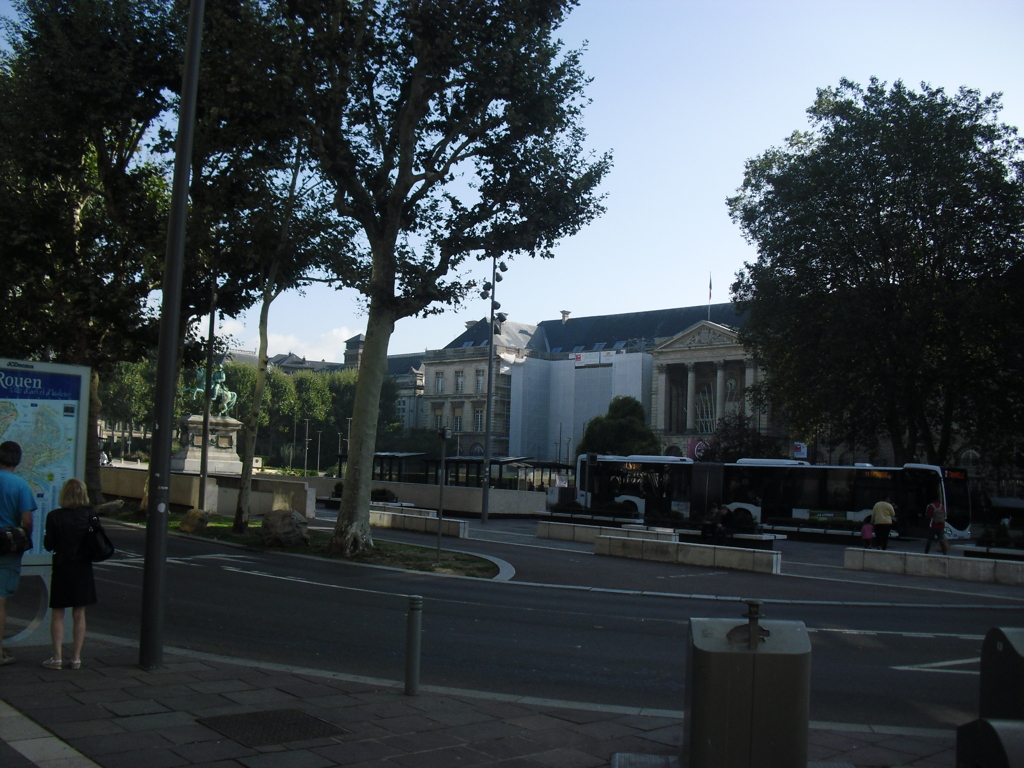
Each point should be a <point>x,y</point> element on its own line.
<point>223,452</point>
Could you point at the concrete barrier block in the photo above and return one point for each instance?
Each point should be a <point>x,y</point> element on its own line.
<point>1009,572</point>
<point>927,565</point>
<point>767,561</point>
<point>562,531</point>
<point>621,547</point>
<point>972,569</point>
<point>853,558</point>
<point>884,561</point>
<point>601,545</point>
<point>587,534</point>
<point>696,554</point>
<point>613,532</point>
<point>542,529</point>
<point>660,551</point>
<point>416,523</point>
<point>733,557</point>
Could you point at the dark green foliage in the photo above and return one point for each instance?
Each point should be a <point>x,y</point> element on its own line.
<point>383,494</point>
<point>736,437</point>
<point>886,299</point>
<point>622,431</point>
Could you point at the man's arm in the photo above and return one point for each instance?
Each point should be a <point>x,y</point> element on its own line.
<point>26,522</point>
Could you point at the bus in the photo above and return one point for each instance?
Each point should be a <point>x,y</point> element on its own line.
<point>665,488</point>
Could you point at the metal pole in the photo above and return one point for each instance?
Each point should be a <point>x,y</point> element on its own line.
<point>318,452</point>
<point>486,499</point>
<point>440,494</point>
<point>305,450</point>
<point>154,572</point>
<point>413,631</point>
<point>204,461</point>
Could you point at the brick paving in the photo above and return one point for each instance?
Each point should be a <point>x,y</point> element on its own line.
<point>112,714</point>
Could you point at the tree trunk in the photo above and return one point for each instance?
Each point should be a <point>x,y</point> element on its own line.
<point>352,532</point>
<point>252,419</point>
<point>92,446</point>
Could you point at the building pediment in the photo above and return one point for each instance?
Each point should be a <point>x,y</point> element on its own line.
<point>700,336</point>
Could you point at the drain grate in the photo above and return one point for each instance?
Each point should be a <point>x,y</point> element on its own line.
<point>279,726</point>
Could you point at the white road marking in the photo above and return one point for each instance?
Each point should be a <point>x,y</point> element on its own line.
<point>940,666</point>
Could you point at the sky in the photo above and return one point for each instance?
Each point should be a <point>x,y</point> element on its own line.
<point>683,93</point>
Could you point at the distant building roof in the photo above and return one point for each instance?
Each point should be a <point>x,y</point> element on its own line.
<point>400,365</point>
<point>628,330</point>
<point>513,334</point>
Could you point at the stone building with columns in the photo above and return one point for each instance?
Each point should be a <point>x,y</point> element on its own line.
<point>701,375</point>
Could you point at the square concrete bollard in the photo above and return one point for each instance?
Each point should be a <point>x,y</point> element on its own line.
<point>747,705</point>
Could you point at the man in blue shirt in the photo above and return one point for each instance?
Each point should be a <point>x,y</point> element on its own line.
<point>16,506</point>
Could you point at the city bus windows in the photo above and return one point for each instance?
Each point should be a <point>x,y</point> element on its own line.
<point>804,488</point>
<point>839,489</point>
<point>871,486</point>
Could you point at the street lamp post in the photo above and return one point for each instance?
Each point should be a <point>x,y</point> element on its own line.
<point>305,449</point>
<point>318,452</point>
<point>496,319</point>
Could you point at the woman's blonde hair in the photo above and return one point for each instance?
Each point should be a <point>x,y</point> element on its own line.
<point>74,494</point>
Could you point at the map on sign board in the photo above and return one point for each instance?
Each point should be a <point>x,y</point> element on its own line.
<point>43,409</point>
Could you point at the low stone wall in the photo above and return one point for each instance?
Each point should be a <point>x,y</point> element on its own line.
<point>419,523</point>
<point>464,500</point>
<point>735,558</point>
<point>268,491</point>
<point>939,566</point>
<point>588,534</point>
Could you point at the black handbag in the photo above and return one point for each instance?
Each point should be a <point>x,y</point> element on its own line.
<point>98,546</point>
<point>14,541</point>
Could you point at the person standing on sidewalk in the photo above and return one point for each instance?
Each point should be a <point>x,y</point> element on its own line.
<point>882,517</point>
<point>72,585</point>
<point>17,504</point>
<point>936,516</point>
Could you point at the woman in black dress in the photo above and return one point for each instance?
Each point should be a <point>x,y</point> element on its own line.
<point>71,585</point>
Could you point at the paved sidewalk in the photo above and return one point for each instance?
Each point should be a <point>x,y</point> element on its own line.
<point>110,713</point>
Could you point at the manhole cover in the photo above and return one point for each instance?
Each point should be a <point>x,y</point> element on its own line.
<point>280,726</point>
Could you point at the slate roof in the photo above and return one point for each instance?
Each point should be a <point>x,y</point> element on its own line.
<point>400,365</point>
<point>513,334</point>
<point>584,334</point>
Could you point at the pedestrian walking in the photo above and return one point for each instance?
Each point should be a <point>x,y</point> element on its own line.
<point>882,517</point>
<point>867,532</point>
<point>17,503</point>
<point>936,516</point>
<point>72,584</point>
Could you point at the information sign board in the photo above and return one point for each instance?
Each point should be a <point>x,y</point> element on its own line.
<point>44,408</point>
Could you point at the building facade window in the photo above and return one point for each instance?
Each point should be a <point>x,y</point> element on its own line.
<point>478,420</point>
<point>439,382</point>
<point>458,423</point>
<point>480,380</point>
<point>400,408</point>
<point>438,419</point>
<point>458,382</point>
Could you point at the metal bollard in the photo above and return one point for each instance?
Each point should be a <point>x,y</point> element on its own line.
<point>413,627</point>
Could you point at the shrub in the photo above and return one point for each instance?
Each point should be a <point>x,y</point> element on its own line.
<point>339,487</point>
<point>382,494</point>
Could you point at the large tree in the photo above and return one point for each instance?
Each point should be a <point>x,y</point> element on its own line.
<point>82,86</point>
<point>622,431</point>
<point>882,302</point>
<point>447,131</point>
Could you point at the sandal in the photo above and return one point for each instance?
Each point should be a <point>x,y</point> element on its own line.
<point>53,663</point>
<point>75,664</point>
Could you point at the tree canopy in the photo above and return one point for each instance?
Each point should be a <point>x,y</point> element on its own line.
<point>882,301</point>
<point>622,431</point>
<point>447,131</point>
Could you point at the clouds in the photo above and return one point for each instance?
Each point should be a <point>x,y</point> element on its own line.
<point>329,346</point>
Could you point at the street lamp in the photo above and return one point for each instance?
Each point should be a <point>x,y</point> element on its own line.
<point>320,432</point>
<point>305,449</point>
<point>496,320</point>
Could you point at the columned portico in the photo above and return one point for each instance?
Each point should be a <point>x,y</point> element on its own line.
<point>706,368</point>
<point>691,397</point>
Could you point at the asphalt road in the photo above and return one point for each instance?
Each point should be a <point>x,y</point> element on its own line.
<point>571,625</point>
